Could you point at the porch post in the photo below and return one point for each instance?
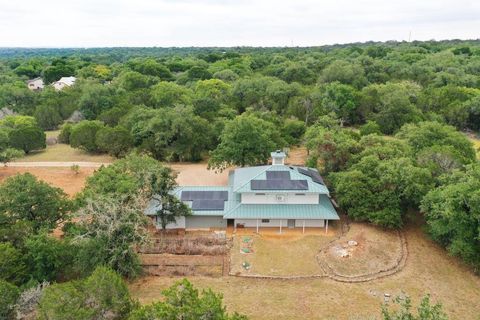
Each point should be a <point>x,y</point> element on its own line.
<point>280,225</point>
<point>326,227</point>
<point>257,225</point>
<point>303,226</point>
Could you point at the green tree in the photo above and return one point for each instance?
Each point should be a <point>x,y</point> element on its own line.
<point>48,117</point>
<point>8,296</point>
<point>452,212</point>
<point>128,176</point>
<point>425,311</point>
<point>83,135</point>
<point>380,191</point>
<point>115,141</point>
<point>24,198</point>
<point>246,140</point>
<point>428,134</point>
<point>333,147</point>
<point>103,295</point>
<point>344,72</point>
<point>391,105</point>
<point>27,139</point>
<point>341,99</point>
<point>183,301</point>
<point>168,94</point>
<point>110,231</point>
<point>7,154</point>
<point>12,264</point>
<point>47,257</point>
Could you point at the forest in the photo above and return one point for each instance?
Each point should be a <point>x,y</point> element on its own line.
<point>387,125</point>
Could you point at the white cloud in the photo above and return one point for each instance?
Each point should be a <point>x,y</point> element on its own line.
<point>88,23</point>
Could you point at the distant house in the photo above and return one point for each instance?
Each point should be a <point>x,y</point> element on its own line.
<point>64,82</point>
<point>35,84</point>
<point>277,195</point>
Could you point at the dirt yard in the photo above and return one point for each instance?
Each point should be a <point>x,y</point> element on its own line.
<point>63,178</point>
<point>371,250</point>
<point>196,174</point>
<point>428,270</point>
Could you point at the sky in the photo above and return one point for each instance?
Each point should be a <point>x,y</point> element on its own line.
<point>166,23</point>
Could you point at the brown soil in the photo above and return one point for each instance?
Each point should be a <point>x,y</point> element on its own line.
<point>196,174</point>
<point>63,178</point>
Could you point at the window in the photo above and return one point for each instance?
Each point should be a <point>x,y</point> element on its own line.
<point>265,220</point>
<point>259,194</point>
<point>299,194</point>
<point>280,198</point>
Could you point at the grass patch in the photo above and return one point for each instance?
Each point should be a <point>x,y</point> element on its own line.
<point>278,256</point>
<point>64,153</point>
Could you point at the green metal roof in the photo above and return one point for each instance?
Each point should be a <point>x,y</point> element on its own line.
<point>323,210</point>
<point>239,182</point>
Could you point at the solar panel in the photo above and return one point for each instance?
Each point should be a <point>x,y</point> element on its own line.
<point>279,185</point>
<point>200,205</point>
<point>278,175</point>
<point>204,195</point>
<point>316,177</point>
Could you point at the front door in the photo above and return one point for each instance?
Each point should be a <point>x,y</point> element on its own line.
<point>291,223</point>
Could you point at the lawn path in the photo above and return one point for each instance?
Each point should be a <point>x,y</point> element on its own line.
<point>57,164</point>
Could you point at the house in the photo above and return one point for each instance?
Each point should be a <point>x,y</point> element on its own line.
<point>275,195</point>
<point>35,84</point>
<point>64,82</point>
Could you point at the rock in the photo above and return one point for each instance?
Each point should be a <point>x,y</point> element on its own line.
<point>352,243</point>
<point>386,299</point>
<point>387,295</point>
<point>51,141</point>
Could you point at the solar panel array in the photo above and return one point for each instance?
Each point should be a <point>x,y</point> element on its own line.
<point>278,180</point>
<point>316,177</point>
<point>278,175</point>
<point>279,184</point>
<point>200,205</point>
<point>204,195</point>
<point>205,200</point>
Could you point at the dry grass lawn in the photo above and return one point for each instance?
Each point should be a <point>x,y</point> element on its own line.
<point>64,153</point>
<point>428,270</point>
<point>289,254</point>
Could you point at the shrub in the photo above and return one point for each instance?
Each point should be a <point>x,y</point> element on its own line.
<point>64,136</point>
<point>371,127</point>
<point>103,295</point>
<point>8,296</point>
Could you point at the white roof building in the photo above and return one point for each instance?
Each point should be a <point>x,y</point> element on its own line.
<point>35,84</point>
<point>64,82</point>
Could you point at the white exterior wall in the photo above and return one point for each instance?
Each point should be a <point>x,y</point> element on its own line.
<point>252,223</point>
<point>179,224</point>
<point>271,198</point>
<point>310,223</point>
